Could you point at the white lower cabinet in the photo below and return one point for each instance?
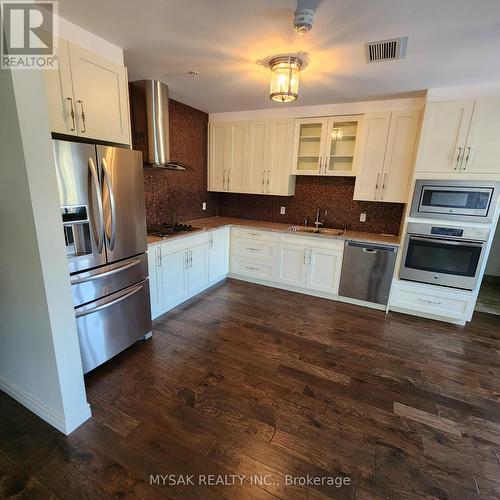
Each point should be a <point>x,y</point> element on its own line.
<point>181,268</point>
<point>173,277</point>
<point>304,263</point>
<point>292,265</point>
<point>315,269</point>
<point>323,274</point>
<point>218,255</point>
<point>432,301</point>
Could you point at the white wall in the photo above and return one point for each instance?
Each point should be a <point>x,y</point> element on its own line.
<point>346,108</point>
<point>493,265</point>
<point>73,33</point>
<point>40,362</point>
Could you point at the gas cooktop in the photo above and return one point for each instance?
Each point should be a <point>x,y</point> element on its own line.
<point>169,229</point>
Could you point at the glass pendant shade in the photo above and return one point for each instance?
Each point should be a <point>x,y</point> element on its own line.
<point>285,78</point>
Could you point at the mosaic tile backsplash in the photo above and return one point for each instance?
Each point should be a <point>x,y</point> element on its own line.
<point>173,196</point>
<point>177,196</point>
<point>333,194</point>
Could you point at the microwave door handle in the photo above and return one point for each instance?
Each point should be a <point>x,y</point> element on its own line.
<point>95,180</point>
<point>79,314</point>
<point>112,204</point>
<point>466,243</point>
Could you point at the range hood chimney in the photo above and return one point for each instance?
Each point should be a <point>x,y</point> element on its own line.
<point>150,123</point>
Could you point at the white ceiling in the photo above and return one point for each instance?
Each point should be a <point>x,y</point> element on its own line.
<point>450,43</point>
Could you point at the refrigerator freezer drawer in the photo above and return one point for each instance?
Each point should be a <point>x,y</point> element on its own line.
<point>92,285</point>
<point>110,325</point>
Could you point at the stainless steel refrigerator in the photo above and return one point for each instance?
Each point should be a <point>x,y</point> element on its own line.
<point>103,216</point>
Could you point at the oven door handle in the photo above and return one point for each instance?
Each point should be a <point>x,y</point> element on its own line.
<point>458,243</point>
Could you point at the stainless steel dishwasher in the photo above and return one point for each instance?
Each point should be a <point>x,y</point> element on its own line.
<point>367,271</point>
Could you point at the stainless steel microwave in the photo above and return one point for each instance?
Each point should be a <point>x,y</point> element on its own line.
<point>460,200</point>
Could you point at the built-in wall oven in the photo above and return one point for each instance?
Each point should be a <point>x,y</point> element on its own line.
<point>462,200</point>
<point>444,255</point>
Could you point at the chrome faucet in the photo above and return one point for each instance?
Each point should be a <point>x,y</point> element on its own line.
<point>318,223</point>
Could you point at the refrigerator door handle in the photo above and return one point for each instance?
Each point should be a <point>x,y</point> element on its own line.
<point>105,274</point>
<point>95,179</point>
<point>85,312</point>
<point>112,238</point>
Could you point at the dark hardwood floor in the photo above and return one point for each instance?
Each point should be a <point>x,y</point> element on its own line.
<point>258,381</point>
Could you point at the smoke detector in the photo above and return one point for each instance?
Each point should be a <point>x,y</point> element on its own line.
<point>303,20</point>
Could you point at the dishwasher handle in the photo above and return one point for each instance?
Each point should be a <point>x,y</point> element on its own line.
<point>366,247</point>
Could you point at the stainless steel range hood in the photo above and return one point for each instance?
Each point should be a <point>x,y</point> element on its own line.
<point>150,123</point>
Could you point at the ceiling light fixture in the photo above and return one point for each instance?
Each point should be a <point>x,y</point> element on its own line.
<point>284,78</point>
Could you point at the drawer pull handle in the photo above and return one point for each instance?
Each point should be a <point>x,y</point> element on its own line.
<point>252,268</point>
<point>253,234</point>
<point>253,249</point>
<point>431,302</point>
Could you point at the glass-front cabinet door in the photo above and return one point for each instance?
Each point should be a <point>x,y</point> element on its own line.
<point>310,137</point>
<point>340,145</point>
<point>325,146</point>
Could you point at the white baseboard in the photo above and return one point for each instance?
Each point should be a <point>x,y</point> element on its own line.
<point>51,416</point>
<point>303,291</point>
<point>420,314</point>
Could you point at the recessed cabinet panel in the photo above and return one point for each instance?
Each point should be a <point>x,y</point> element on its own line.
<point>101,96</point>
<point>373,137</point>
<point>279,178</point>
<point>236,156</point>
<point>324,270</point>
<point>292,265</point>
<point>258,149</point>
<point>251,157</point>
<point>482,151</point>
<point>59,88</point>
<point>173,277</point>
<point>217,165</point>
<point>443,137</point>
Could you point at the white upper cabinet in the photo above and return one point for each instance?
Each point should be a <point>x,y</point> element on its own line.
<point>482,151</point>
<point>443,136</point>
<point>387,143</point>
<point>256,174</point>
<point>60,93</point>
<point>370,161</point>
<point>88,96</point>
<point>279,178</point>
<point>101,96</point>
<point>251,157</point>
<point>309,146</point>
<point>216,157</point>
<point>236,155</point>
<point>326,146</point>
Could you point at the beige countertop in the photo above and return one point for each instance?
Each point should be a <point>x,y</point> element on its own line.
<point>216,222</point>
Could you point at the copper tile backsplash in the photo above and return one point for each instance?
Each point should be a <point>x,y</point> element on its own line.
<point>173,196</point>
<point>331,193</point>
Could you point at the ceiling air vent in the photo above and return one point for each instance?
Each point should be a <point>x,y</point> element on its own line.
<point>386,50</point>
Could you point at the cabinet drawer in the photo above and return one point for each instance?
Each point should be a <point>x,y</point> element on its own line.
<point>253,268</point>
<point>253,234</point>
<point>312,241</point>
<point>439,303</point>
<point>250,248</point>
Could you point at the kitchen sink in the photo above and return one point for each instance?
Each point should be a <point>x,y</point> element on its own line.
<point>312,230</point>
